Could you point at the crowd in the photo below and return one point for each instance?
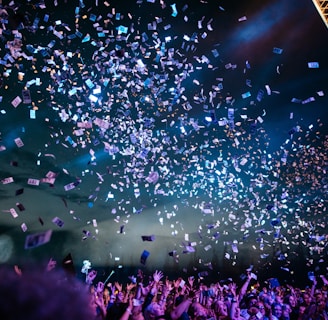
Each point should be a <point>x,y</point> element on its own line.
<point>161,298</point>
<point>52,294</point>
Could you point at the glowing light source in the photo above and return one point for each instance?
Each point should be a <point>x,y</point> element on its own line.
<point>322,8</point>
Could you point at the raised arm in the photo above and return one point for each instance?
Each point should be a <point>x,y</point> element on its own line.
<point>128,310</point>
<point>234,301</point>
<point>243,289</point>
<point>183,306</point>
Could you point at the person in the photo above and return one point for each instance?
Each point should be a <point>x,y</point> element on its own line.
<point>286,311</point>
<point>221,310</point>
<point>317,310</point>
<point>264,309</point>
<point>197,311</point>
<point>37,294</point>
<point>291,300</point>
<point>97,300</point>
<point>117,304</point>
<point>154,311</point>
<point>247,301</point>
<point>276,311</point>
<point>106,297</point>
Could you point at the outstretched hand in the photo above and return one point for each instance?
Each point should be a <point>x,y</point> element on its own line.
<point>91,276</point>
<point>118,286</point>
<point>157,276</point>
<point>191,281</point>
<point>130,286</point>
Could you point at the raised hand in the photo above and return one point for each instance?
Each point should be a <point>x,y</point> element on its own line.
<point>130,286</point>
<point>233,288</point>
<point>191,281</point>
<point>91,276</point>
<point>118,286</point>
<point>157,276</point>
<point>112,288</point>
<point>176,283</point>
<point>168,285</point>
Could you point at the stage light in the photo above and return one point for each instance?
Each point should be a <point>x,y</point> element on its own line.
<point>322,8</point>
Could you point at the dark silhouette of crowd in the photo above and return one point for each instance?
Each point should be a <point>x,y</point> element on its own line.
<point>32,293</point>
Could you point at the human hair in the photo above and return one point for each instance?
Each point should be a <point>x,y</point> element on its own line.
<point>37,294</point>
